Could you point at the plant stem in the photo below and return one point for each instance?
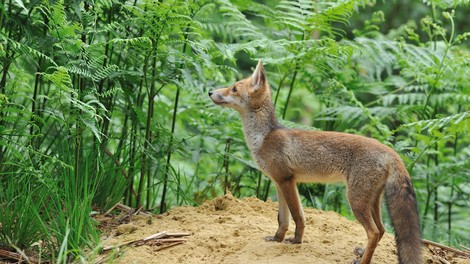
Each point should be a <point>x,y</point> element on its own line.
<point>291,87</point>
<point>107,102</point>
<point>1,16</point>
<point>281,81</point>
<point>226,165</point>
<point>148,132</point>
<point>258,187</point>
<point>163,206</point>
<point>33,104</point>
<point>452,186</point>
<point>149,116</point>
<point>441,69</point>
<point>266,190</point>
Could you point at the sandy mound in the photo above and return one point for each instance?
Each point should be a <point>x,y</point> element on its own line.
<point>228,230</point>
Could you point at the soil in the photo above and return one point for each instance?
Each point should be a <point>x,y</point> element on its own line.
<point>230,230</point>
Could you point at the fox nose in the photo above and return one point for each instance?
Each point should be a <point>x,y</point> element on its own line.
<point>210,93</point>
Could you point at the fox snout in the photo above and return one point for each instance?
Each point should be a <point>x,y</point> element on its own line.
<point>217,96</point>
<point>212,95</point>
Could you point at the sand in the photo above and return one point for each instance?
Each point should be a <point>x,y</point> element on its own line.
<point>229,230</point>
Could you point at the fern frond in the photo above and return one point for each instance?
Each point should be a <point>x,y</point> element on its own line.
<point>92,126</point>
<point>143,41</point>
<point>295,14</point>
<point>228,51</point>
<point>111,92</point>
<point>60,77</point>
<point>332,12</point>
<point>404,99</point>
<point>308,16</point>
<point>443,4</point>
<point>460,122</point>
<point>107,3</point>
<point>108,27</point>
<point>451,98</point>
<point>80,71</point>
<point>375,55</point>
<point>104,72</point>
<point>27,49</point>
<point>232,24</point>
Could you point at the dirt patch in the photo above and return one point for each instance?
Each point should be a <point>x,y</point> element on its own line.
<point>229,230</point>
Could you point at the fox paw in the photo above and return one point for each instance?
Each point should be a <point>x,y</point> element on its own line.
<point>358,251</point>
<point>273,238</point>
<point>293,240</point>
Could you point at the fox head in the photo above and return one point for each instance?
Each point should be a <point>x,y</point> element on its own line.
<point>246,95</point>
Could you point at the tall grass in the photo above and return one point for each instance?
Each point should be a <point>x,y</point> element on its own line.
<point>21,223</point>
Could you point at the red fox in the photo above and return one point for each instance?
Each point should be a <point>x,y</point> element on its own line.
<point>289,156</point>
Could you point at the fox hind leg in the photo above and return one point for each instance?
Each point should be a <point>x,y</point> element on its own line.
<point>366,213</point>
<point>377,215</point>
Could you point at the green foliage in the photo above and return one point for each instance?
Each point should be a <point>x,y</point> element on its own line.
<point>21,224</point>
<point>105,101</point>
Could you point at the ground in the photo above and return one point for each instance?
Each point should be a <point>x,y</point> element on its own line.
<point>228,230</point>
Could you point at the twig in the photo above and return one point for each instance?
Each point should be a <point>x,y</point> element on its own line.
<point>436,255</point>
<point>139,210</point>
<point>160,238</point>
<point>181,234</point>
<point>443,260</point>
<point>169,245</point>
<point>121,245</point>
<point>170,240</point>
<point>111,209</point>
<point>10,255</point>
<point>154,236</point>
<point>130,209</point>
<point>16,256</point>
<point>427,242</point>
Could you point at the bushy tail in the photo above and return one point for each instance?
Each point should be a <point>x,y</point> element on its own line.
<point>401,203</point>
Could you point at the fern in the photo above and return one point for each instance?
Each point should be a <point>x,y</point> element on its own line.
<point>404,99</point>
<point>338,12</point>
<point>307,16</point>
<point>64,31</point>
<point>458,122</point>
<point>82,71</point>
<point>294,14</point>
<point>60,78</point>
<point>26,49</point>
<point>105,72</point>
<point>447,4</point>
<point>235,23</point>
<point>111,92</point>
<point>144,41</point>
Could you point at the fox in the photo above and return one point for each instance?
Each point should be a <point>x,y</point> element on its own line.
<point>290,156</point>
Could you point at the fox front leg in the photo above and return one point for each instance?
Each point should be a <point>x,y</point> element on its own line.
<point>283,218</point>
<point>287,189</point>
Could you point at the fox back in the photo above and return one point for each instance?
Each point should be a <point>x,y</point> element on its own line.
<point>288,156</point>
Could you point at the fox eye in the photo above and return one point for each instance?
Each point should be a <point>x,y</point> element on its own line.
<point>234,89</point>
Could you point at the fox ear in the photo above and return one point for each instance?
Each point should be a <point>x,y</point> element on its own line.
<point>258,78</point>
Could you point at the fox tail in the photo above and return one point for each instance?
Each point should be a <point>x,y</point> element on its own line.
<point>401,203</point>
